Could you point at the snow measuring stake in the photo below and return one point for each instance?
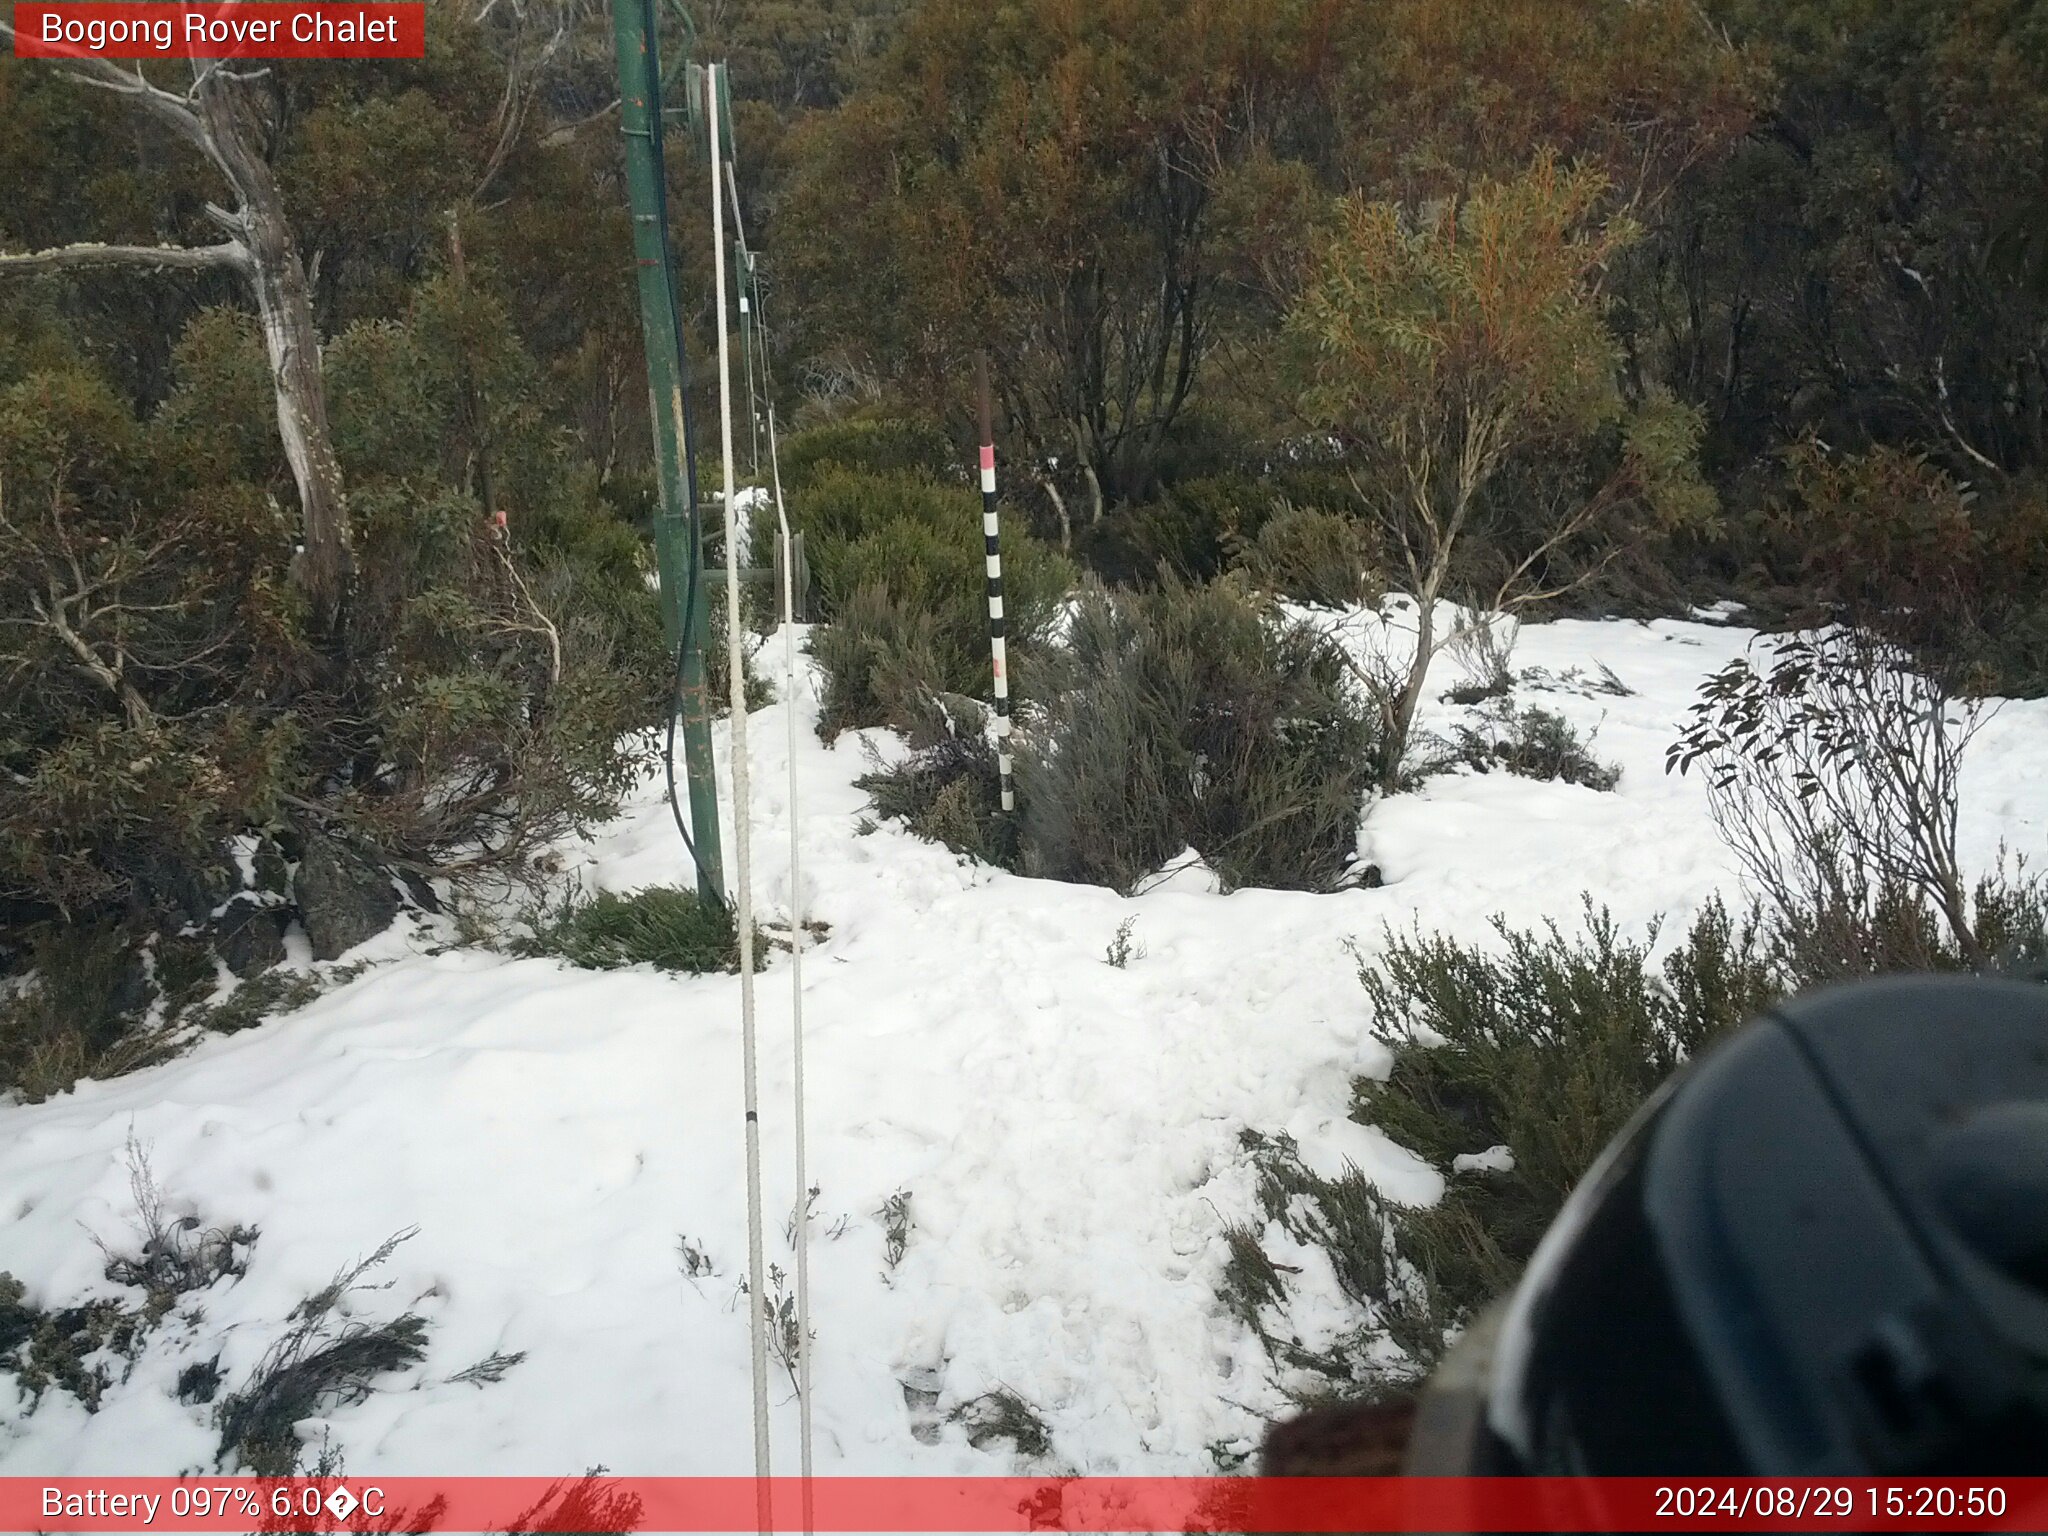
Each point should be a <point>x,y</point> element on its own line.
<point>989,532</point>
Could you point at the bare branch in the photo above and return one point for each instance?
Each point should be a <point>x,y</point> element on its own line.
<point>231,254</point>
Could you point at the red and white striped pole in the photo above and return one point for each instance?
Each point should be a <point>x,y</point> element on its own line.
<point>997,649</point>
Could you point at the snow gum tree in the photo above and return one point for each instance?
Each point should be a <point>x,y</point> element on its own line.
<point>1438,346</point>
<point>225,114</point>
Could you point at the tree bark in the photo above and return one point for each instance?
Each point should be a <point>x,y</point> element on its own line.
<point>229,253</point>
<point>284,306</point>
<point>1059,507</point>
<point>1402,724</point>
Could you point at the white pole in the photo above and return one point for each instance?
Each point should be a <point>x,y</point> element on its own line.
<point>796,971</point>
<point>757,1299</point>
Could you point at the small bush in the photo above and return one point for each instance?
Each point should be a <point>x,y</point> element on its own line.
<point>1193,717</point>
<point>1251,1281</point>
<point>1546,1049</point>
<point>672,929</point>
<point>1314,557</point>
<point>321,1361</point>
<point>75,1349</point>
<point>1352,1223</point>
<point>902,579</point>
<point>718,668</point>
<point>79,1013</point>
<point>1891,928</point>
<point>1545,1046</point>
<point>1484,649</point>
<point>895,1217</point>
<point>1003,1415</point>
<point>1196,527</point>
<point>264,996</point>
<point>174,1255</point>
<point>949,793</point>
<point>881,662</point>
<point>1952,571</point>
<point>1533,744</point>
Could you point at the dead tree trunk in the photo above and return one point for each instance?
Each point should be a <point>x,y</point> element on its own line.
<point>220,116</point>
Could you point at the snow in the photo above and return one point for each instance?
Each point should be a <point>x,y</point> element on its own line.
<point>1067,1129</point>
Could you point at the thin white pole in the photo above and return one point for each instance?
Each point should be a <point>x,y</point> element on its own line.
<point>796,972</point>
<point>757,1299</point>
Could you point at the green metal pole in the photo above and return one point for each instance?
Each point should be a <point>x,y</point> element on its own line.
<point>746,270</point>
<point>678,541</point>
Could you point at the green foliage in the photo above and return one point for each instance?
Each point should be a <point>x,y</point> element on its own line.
<point>950,793</point>
<point>1545,1046</point>
<point>78,1013</point>
<point>261,997</point>
<point>878,658</point>
<point>71,1349</point>
<point>1532,744</point>
<point>882,446</point>
<point>902,575</point>
<point>1192,717</point>
<point>1875,261</point>
<point>1954,571</point>
<point>1323,558</point>
<point>1477,325</point>
<point>1188,530</point>
<point>662,926</point>
<point>135,732</point>
<point>1003,1415</point>
<point>1251,1280</point>
<point>492,683</point>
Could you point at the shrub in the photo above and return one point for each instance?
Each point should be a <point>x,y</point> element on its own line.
<point>1314,557</point>
<point>884,445</point>
<point>674,930</point>
<point>880,662</point>
<point>1484,648</point>
<point>1953,572</point>
<point>1546,1050</point>
<point>902,578</point>
<point>718,667</point>
<point>1545,1045</point>
<point>949,793</point>
<point>264,996</point>
<point>1352,1223</point>
<point>78,1013</point>
<point>1193,717</point>
<point>325,1356</point>
<point>1532,744</point>
<point>1833,775</point>
<point>1199,526</point>
<point>1003,1415</point>
<point>489,694</point>
<point>324,1359</point>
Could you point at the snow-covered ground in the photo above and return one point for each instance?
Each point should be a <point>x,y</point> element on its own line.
<point>1068,1131</point>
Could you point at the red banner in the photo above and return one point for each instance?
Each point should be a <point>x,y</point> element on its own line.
<point>222,29</point>
<point>1022,1504</point>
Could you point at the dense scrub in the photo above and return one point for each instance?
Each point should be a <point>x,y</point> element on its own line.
<point>1186,717</point>
<point>901,571</point>
<point>1192,717</point>
<point>1514,1063</point>
<point>670,929</point>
